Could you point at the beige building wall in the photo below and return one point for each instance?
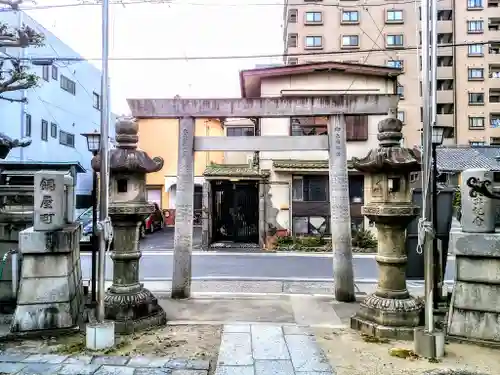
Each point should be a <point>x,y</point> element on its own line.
<point>375,25</point>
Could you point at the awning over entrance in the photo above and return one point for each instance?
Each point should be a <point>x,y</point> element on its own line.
<point>224,171</point>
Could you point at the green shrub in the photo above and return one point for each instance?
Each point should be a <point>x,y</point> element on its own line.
<point>364,239</point>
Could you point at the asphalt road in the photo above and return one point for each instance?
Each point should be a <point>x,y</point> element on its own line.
<point>164,240</point>
<point>158,265</point>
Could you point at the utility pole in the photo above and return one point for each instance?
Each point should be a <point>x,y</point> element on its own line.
<point>428,342</point>
<point>22,123</point>
<point>104,167</point>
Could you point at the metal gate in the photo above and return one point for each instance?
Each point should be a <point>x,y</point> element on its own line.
<point>236,211</point>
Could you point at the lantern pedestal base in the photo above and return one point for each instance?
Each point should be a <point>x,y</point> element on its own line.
<point>389,317</point>
<point>134,312</point>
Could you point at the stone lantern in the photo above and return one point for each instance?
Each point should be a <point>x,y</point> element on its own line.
<point>131,306</point>
<point>389,312</point>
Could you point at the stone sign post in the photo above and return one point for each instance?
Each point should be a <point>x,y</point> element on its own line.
<point>475,306</point>
<point>50,290</point>
<point>390,311</point>
<point>131,306</point>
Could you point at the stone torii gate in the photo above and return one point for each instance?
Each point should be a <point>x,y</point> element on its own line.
<point>333,106</point>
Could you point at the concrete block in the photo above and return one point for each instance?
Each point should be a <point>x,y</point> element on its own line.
<point>235,350</point>
<point>46,358</point>
<point>429,345</point>
<point>48,265</point>
<point>476,325</point>
<point>274,367</point>
<point>477,297</point>
<point>39,317</point>
<point>79,360</point>
<point>482,270</point>
<point>61,241</point>
<point>12,357</point>
<point>306,355</point>
<point>268,342</point>
<point>101,336</point>
<point>45,290</point>
<point>475,244</point>
<point>189,372</point>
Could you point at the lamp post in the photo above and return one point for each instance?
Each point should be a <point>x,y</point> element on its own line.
<point>93,145</point>
<point>437,136</point>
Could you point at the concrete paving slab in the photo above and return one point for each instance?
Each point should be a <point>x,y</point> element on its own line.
<point>235,370</point>
<point>229,310</point>
<point>306,354</point>
<point>310,310</point>
<point>275,367</point>
<point>268,342</point>
<point>237,328</point>
<point>235,350</point>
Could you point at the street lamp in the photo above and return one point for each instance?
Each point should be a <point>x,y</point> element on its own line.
<point>94,145</point>
<point>437,136</point>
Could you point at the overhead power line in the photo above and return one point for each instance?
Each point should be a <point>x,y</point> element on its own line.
<point>169,2</point>
<point>240,57</point>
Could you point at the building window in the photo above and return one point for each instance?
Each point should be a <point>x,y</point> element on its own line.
<point>55,72</point>
<point>96,100</point>
<point>401,91</point>
<point>292,15</point>
<point>314,41</point>
<point>475,50</point>
<point>350,41</point>
<point>394,40</point>
<point>27,130</point>
<point>45,130</point>
<point>53,130</point>
<point>68,85</point>
<point>475,27</point>
<point>310,188</point>
<point>293,61</point>
<point>476,123</point>
<point>314,17</point>
<point>476,98</point>
<point>394,16</point>
<point>45,73</point>
<point>401,116</point>
<point>476,143</point>
<point>474,4</point>
<point>356,127</point>
<point>350,16</point>
<point>476,74</point>
<point>240,131</point>
<point>395,64</point>
<point>292,40</point>
<point>66,139</point>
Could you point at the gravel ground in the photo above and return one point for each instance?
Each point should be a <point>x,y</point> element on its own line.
<point>350,354</point>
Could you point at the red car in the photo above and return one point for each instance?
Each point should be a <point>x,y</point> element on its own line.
<point>155,221</point>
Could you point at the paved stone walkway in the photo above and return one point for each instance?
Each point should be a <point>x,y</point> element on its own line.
<point>270,349</point>
<point>51,364</point>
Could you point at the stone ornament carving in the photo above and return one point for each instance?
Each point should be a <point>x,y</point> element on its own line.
<point>127,302</point>
<point>126,157</point>
<point>478,204</point>
<point>390,311</point>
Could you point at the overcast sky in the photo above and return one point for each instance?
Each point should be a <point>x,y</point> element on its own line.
<point>195,28</point>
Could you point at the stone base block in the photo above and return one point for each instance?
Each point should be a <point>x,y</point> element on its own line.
<point>133,312</point>
<point>100,336</point>
<point>429,345</point>
<point>378,330</point>
<point>389,317</point>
